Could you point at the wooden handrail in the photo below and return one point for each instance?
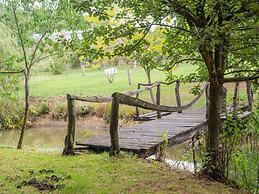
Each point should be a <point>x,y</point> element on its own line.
<point>160,82</point>
<point>119,98</point>
<point>131,101</point>
<point>103,99</point>
<point>99,99</point>
<point>138,91</point>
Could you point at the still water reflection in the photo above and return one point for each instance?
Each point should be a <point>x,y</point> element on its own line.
<point>40,137</point>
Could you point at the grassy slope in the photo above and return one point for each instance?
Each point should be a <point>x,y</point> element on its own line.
<point>92,173</point>
<point>93,83</point>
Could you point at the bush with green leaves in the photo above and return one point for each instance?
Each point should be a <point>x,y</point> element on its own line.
<point>57,66</point>
<point>246,158</point>
<point>11,114</point>
<point>239,151</point>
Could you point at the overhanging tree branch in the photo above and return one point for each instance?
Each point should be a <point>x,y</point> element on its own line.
<point>182,60</point>
<point>9,27</point>
<point>174,27</point>
<point>42,58</point>
<point>19,33</point>
<point>36,47</point>
<point>137,43</point>
<point>242,71</point>
<point>240,79</point>
<point>184,11</point>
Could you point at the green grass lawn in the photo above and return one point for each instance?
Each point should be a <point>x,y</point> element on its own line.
<point>92,173</point>
<point>45,85</point>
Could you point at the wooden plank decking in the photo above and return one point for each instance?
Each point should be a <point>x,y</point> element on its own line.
<point>144,138</point>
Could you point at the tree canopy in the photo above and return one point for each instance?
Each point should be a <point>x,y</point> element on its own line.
<point>221,37</point>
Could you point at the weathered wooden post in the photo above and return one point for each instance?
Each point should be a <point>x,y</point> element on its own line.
<point>70,137</point>
<point>207,91</point>
<point>235,99</point>
<point>129,77</point>
<point>224,99</point>
<point>114,134</point>
<point>158,98</point>
<point>193,155</point>
<point>177,95</point>
<point>249,96</point>
<point>137,109</point>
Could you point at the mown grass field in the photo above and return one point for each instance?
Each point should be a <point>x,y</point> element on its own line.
<point>45,85</point>
<point>92,173</point>
<point>48,86</point>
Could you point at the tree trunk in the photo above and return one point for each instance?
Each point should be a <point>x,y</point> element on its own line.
<point>26,110</point>
<point>149,82</point>
<point>211,166</point>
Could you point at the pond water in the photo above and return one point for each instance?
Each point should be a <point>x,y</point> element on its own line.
<point>36,137</point>
<point>51,137</point>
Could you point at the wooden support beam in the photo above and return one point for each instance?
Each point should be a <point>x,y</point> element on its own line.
<point>235,99</point>
<point>194,155</point>
<point>137,97</point>
<point>249,96</point>
<point>158,97</point>
<point>224,104</point>
<point>114,133</point>
<point>129,77</point>
<point>70,137</point>
<point>177,95</point>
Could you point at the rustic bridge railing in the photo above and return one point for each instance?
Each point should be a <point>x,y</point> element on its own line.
<point>127,99</point>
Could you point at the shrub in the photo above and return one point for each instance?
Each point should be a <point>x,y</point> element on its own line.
<point>85,111</point>
<point>11,114</point>
<point>38,110</point>
<point>43,109</point>
<point>239,151</point>
<point>104,111</point>
<point>57,66</point>
<point>59,111</point>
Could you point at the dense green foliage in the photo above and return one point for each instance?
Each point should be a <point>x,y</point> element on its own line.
<point>219,36</point>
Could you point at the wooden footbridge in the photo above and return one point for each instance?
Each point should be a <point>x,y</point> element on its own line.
<point>172,125</point>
